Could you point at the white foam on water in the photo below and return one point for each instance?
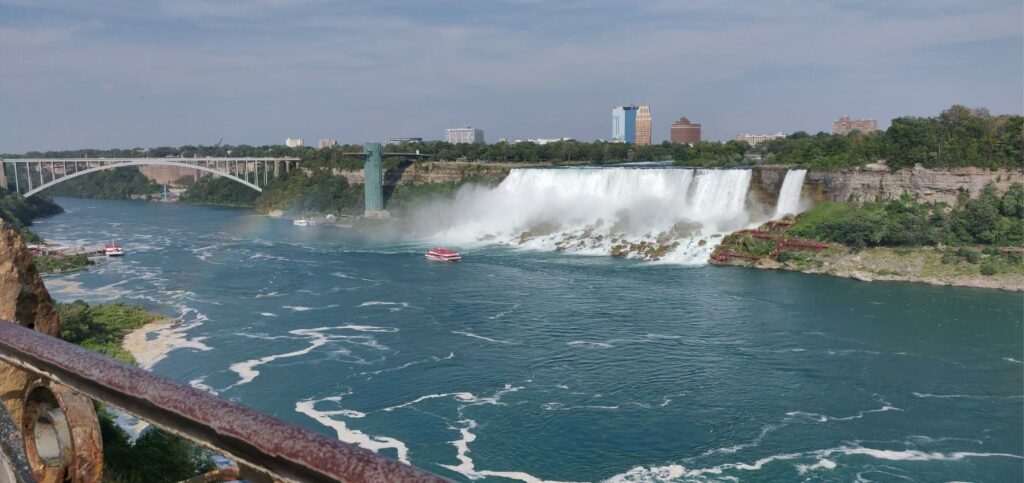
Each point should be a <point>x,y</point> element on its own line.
<point>366,328</point>
<point>268,314</point>
<point>789,195</point>
<point>200,383</point>
<point>962,396</point>
<point>301,308</point>
<point>459,396</point>
<point>451,355</point>
<point>825,457</point>
<point>557,406</point>
<point>346,434</point>
<point>467,468</point>
<point>589,344</point>
<point>589,211</point>
<point>821,464</point>
<point>1010,359</point>
<point>822,418</point>
<point>391,306</point>
<point>317,337</point>
<point>350,277</point>
<point>488,339</point>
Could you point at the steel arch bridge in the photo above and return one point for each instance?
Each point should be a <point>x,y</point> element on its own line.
<point>28,176</point>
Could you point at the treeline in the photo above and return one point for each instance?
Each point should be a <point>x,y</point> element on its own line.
<point>219,191</point>
<point>958,137</point>
<point>989,219</point>
<point>319,192</point>
<point>19,212</point>
<point>112,184</point>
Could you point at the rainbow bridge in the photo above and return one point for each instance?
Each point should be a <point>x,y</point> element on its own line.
<point>28,176</point>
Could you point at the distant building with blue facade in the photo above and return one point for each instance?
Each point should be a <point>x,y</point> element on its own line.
<point>624,124</point>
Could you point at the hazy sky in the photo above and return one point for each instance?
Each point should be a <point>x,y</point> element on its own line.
<point>124,73</point>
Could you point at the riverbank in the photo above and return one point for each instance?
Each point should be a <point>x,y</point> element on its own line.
<point>151,342</point>
<point>928,265</point>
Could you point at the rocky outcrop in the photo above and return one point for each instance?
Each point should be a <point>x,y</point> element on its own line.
<point>23,298</point>
<point>25,301</point>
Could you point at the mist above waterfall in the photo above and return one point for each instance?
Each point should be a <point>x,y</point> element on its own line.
<point>671,214</point>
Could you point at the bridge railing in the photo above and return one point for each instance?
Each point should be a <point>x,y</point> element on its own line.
<point>273,449</point>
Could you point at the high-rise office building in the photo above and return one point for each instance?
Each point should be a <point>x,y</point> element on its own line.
<point>464,135</point>
<point>624,124</point>
<point>845,125</point>
<point>643,126</point>
<point>685,132</point>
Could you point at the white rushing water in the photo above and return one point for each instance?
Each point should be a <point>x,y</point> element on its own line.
<point>680,212</point>
<point>789,195</point>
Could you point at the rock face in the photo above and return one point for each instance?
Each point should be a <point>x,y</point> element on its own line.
<point>25,301</point>
<point>927,185</point>
<point>876,182</point>
<point>435,172</point>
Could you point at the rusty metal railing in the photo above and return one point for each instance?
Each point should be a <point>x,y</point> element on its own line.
<point>268,445</point>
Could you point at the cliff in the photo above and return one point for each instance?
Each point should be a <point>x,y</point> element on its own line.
<point>25,301</point>
<point>877,182</point>
<point>435,172</point>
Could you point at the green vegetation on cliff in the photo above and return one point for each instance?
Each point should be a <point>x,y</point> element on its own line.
<point>407,196</point>
<point>156,455</point>
<point>57,263</point>
<point>987,220</point>
<point>111,184</point>
<point>18,212</point>
<point>319,192</point>
<point>101,328</point>
<point>212,190</point>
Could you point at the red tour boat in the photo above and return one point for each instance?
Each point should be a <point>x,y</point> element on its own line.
<point>443,255</point>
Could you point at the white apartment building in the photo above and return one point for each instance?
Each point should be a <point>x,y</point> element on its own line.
<point>294,142</point>
<point>754,139</point>
<point>464,135</point>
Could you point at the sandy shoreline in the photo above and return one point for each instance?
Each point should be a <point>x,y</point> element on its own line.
<point>148,351</point>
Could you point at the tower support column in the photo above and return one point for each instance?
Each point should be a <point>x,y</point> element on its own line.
<point>373,181</point>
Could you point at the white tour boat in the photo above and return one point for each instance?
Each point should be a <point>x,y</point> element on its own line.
<point>113,250</point>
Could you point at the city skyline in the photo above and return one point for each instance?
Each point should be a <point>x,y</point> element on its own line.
<point>113,73</point>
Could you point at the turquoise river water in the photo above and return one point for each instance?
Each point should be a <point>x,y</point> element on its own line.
<point>536,365</point>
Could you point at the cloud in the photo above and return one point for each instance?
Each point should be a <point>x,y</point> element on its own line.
<point>258,70</point>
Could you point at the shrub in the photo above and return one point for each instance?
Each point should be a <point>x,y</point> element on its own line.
<point>988,268</point>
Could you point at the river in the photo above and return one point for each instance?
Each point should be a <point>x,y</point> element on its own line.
<point>545,365</point>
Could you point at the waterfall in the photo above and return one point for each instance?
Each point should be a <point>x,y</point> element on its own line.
<point>789,195</point>
<point>668,214</point>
